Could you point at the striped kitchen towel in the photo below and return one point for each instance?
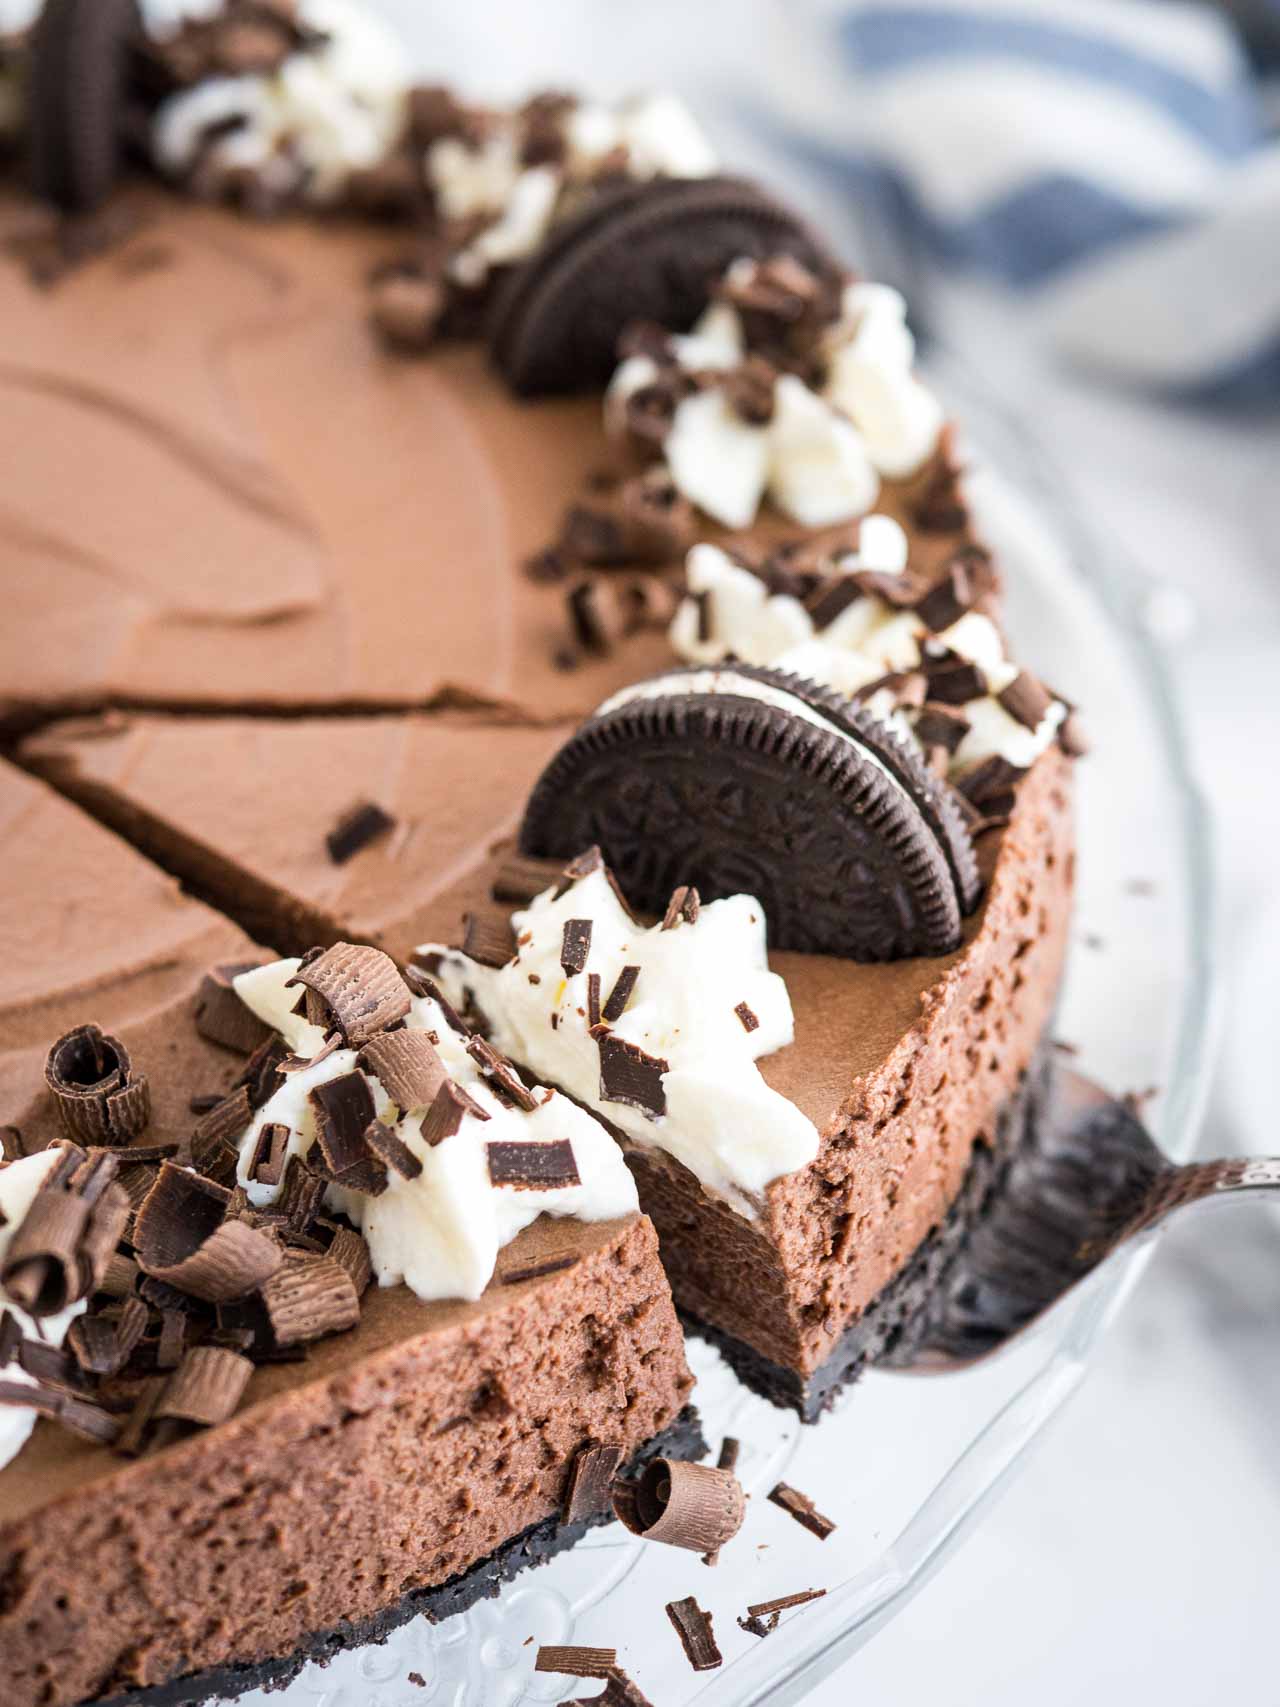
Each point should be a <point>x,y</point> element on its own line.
<point>1113,162</point>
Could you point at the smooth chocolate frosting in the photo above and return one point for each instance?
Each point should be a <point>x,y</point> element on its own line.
<point>207,452</point>
<point>93,931</point>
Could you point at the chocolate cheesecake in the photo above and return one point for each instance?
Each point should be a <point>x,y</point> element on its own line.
<point>524,583</point>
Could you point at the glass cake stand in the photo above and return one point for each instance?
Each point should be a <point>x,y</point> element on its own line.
<point>905,1464</point>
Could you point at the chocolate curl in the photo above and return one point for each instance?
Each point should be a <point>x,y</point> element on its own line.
<point>697,1638</point>
<point>308,1298</point>
<point>99,1099</point>
<point>206,1388</point>
<point>181,1237</point>
<point>576,1661</point>
<point>41,1270</point>
<point>589,1486</point>
<point>359,988</point>
<point>222,1017</point>
<point>802,1508</point>
<point>406,1065</point>
<point>685,1505</point>
<point>62,1247</point>
<point>351,1253</point>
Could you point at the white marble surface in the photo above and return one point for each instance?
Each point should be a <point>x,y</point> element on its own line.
<point>1135,1559</point>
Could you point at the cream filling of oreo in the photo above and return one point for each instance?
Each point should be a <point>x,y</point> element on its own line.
<point>869,639</point>
<point>19,1183</point>
<point>439,1233</point>
<point>704,1001</point>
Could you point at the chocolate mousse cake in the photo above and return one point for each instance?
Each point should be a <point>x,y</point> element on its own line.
<point>518,804</point>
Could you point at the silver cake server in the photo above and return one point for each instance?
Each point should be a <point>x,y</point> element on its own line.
<point>1087,1181</point>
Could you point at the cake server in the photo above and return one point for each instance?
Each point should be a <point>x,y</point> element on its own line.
<point>1088,1181</point>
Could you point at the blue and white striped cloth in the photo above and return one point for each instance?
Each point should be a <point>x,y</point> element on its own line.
<point>1112,162</point>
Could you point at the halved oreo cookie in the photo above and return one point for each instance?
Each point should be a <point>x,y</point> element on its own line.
<point>82,53</point>
<point>647,251</point>
<point>741,779</point>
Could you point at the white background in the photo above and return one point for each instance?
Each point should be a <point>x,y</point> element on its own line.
<point>1136,1559</point>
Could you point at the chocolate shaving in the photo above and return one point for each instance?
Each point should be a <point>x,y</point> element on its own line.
<point>940,726</point>
<point>501,1074</point>
<point>133,1437</point>
<point>344,1108</point>
<point>422,985</point>
<point>522,878</point>
<point>683,907</point>
<point>182,1238</point>
<point>640,520</point>
<point>225,1122</point>
<point>535,1270</point>
<point>42,1271</point>
<point>906,688</point>
<point>447,1110</point>
<point>730,1448</point>
<point>575,945</point>
<point>576,1662</point>
<point>300,1196</point>
<point>206,1389</point>
<point>629,1075</point>
<point>222,1017</point>
<point>406,1065</point>
<point>762,1618</point>
<point>487,939</point>
<point>359,988</point>
<point>749,1020</point>
<point>391,1150</point>
<point>948,598</point>
<point>356,829</point>
<point>102,1346</point>
<point>349,1250</point>
<point>309,1297</point>
<point>989,781</point>
<point>593,999</point>
<point>98,1097</point>
<point>532,1166</point>
<point>1026,700</point>
<point>616,1004</point>
<point>586,865</point>
<point>260,1073</point>
<point>693,1626</point>
<point>10,1338</point>
<point>802,1508</point>
<point>270,1152</point>
<point>953,680</point>
<point>685,1505</point>
<point>832,598</point>
<point>590,1483</point>
<point>12,1148</point>
<point>619,1691</point>
<point>173,1339</point>
<point>121,1276</point>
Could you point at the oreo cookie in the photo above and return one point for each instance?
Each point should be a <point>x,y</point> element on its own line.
<point>646,251</point>
<point>741,779</point>
<point>82,56</point>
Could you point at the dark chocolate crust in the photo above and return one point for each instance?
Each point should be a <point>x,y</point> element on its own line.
<point>535,1546</point>
<point>888,1326</point>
